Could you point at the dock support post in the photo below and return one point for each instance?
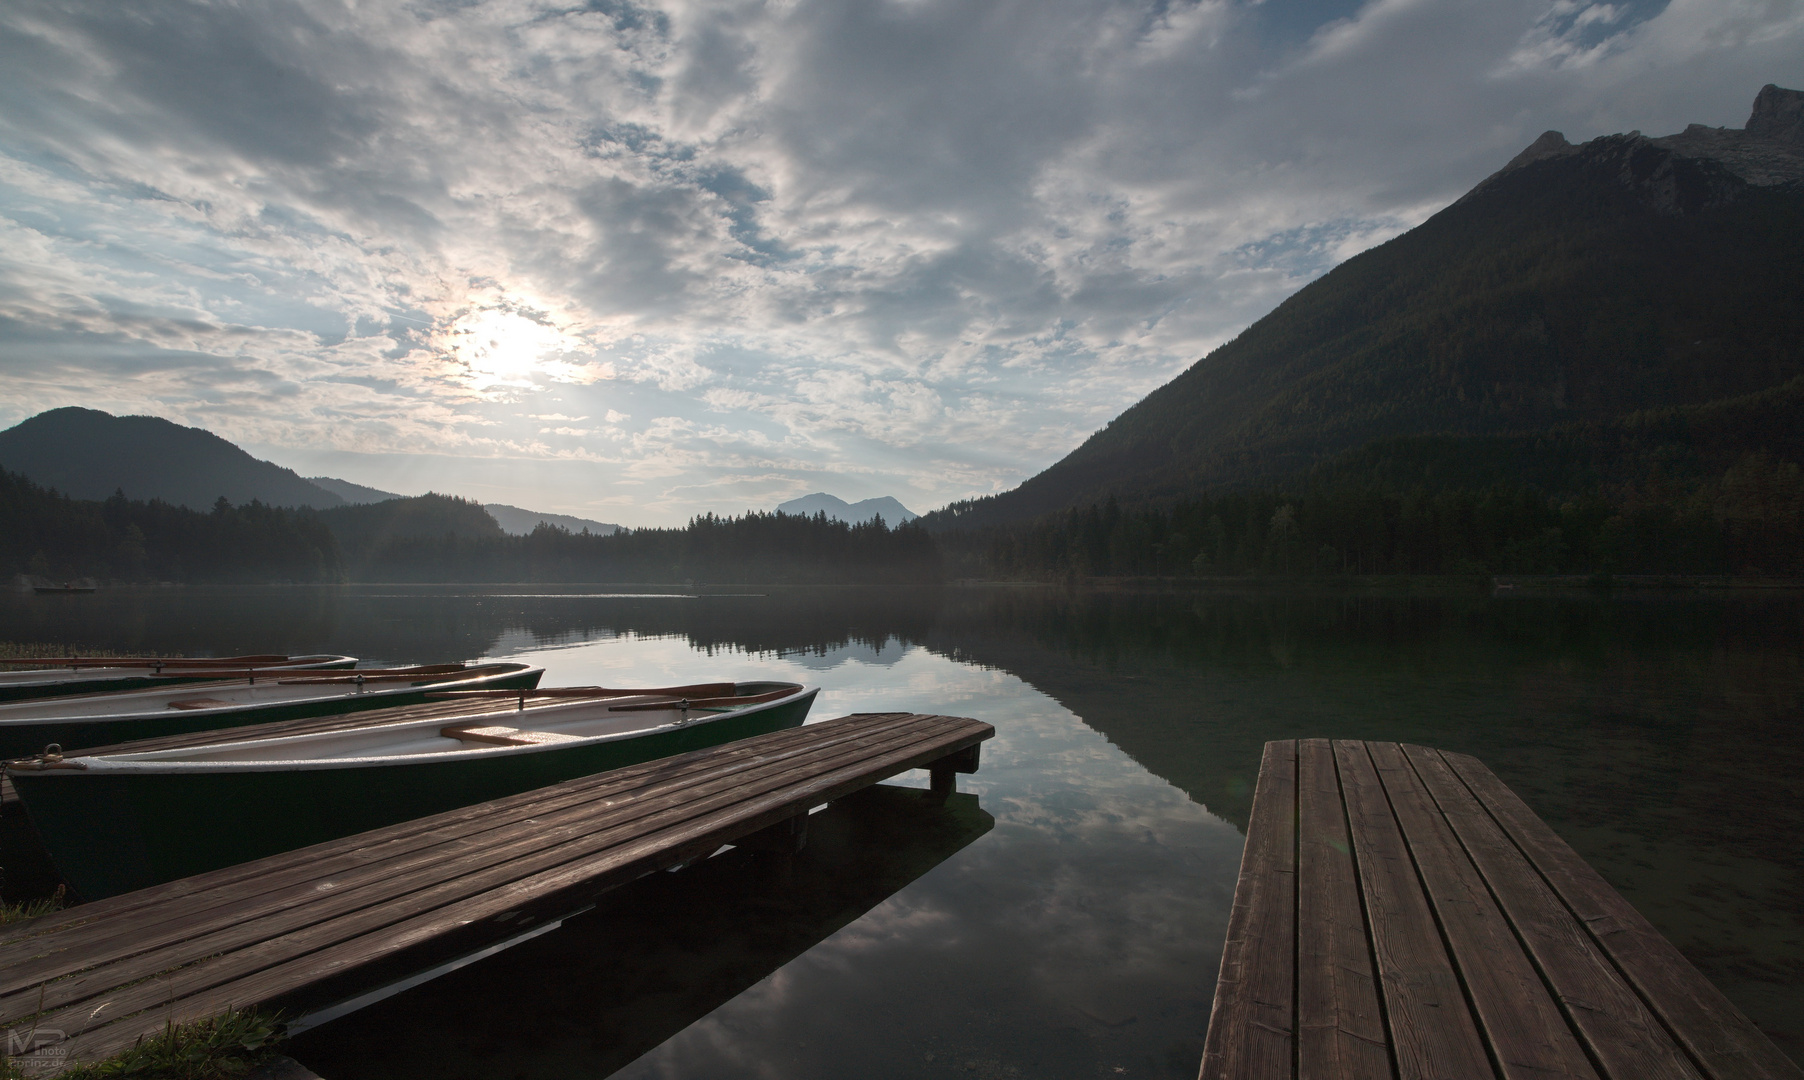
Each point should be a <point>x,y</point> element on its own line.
<point>942,774</point>
<point>786,837</point>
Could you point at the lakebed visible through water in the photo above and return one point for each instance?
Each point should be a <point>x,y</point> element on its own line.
<point>1065,918</point>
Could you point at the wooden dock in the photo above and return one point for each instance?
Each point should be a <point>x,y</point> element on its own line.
<point>308,929</point>
<point>1402,914</point>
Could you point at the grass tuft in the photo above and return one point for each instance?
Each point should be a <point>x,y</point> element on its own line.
<point>222,1048</point>
<point>31,909</point>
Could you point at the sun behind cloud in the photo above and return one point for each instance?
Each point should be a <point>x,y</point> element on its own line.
<point>496,349</point>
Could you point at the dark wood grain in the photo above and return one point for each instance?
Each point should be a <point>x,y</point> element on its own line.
<point>1528,1034</point>
<point>604,831</point>
<point>1432,1032</point>
<point>390,891</point>
<point>1625,1038</point>
<point>321,953</point>
<point>1713,1031</point>
<point>1252,1025</point>
<point>1340,1028</point>
<point>239,884</point>
<point>147,947</point>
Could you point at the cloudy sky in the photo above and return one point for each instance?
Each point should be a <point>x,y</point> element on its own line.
<point>639,261</point>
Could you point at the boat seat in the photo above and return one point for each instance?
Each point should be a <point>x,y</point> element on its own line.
<point>200,703</point>
<point>498,735</point>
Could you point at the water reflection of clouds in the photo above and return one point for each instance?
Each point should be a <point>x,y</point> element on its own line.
<point>1081,935</point>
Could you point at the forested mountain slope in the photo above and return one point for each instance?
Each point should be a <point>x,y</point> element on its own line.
<point>87,454</point>
<point>1578,288</point>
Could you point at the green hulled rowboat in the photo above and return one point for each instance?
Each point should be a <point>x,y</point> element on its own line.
<point>46,676</point>
<point>261,695</point>
<point>121,821</point>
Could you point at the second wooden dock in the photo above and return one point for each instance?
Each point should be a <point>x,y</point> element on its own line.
<point>1402,914</point>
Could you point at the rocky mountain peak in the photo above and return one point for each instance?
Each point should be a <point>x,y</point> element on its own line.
<point>1778,114</point>
<point>1550,144</point>
<point>1697,169</point>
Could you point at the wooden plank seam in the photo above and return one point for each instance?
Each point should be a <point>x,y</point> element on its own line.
<point>924,725</point>
<point>1365,917</point>
<point>1296,909</point>
<point>1553,991</point>
<point>1440,925</point>
<point>1607,954</point>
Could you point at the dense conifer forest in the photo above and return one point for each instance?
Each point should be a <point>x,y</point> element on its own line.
<point>56,538</point>
<point>1749,522</point>
<point>432,538</point>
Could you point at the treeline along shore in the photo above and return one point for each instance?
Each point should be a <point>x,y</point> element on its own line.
<point>434,538</point>
<point>1747,522</point>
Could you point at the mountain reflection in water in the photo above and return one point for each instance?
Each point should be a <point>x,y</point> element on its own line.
<point>1658,733</point>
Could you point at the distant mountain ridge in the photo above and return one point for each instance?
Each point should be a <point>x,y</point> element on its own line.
<point>353,493</point>
<point>88,454</point>
<point>1577,287</point>
<point>892,511</point>
<point>517,522</point>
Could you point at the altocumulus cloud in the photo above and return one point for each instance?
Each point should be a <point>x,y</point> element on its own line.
<point>910,247</point>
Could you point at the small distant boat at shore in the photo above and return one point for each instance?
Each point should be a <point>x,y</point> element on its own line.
<point>118,821</point>
<point>49,676</point>
<point>253,696</point>
<point>65,587</point>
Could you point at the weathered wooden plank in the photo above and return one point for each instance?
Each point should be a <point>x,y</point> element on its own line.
<point>1340,1027</point>
<point>389,893</point>
<point>1252,1025</point>
<point>384,888</point>
<point>195,991</point>
<point>1626,1039</point>
<point>1432,1032</point>
<point>1713,1031</point>
<point>268,877</point>
<point>1528,1034</point>
<point>282,881</point>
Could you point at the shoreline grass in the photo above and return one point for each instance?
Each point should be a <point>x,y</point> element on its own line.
<point>224,1047</point>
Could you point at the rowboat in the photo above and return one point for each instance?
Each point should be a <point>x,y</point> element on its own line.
<point>257,696</point>
<point>122,820</point>
<point>49,676</point>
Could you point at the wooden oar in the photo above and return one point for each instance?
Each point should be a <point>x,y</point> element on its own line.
<point>702,703</point>
<point>368,675</point>
<point>698,689</point>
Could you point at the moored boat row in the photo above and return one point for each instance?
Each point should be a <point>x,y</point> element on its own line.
<point>220,700</point>
<point>125,820</point>
<point>216,771</point>
<point>51,676</point>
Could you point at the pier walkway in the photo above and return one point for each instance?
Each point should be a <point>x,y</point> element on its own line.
<point>312,928</point>
<point>1402,914</point>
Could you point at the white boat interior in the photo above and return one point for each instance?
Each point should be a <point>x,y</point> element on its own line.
<point>506,729</point>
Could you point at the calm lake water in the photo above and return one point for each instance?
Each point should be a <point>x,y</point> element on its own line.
<point>1065,918</point>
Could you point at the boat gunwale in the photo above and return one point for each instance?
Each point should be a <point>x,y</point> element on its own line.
<point>375,689</point>
<point>148,764</point>
<point>16,672</point>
